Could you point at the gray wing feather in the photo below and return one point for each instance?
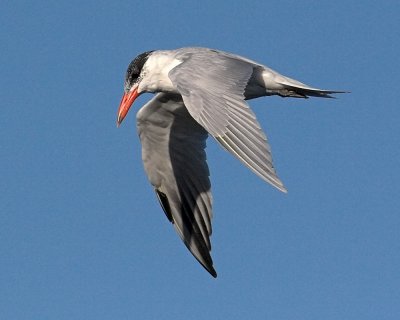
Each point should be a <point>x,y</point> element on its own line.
<point>212,85</point>
<point>173,152</point>
<point>205,80</point>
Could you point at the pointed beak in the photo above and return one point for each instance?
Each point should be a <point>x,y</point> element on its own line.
<point>126,103</point>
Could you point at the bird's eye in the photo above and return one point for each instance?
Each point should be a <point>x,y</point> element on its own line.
<point>132,73</point>
<point>134,69</point>
<point>131,76</point>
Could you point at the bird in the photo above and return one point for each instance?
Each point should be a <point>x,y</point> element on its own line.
<point>201,92</point>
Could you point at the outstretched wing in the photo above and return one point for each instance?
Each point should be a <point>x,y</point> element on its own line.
<point>173,152</point>
<point>212,85</point>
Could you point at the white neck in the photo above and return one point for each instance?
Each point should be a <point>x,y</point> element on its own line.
<point>155,72</point>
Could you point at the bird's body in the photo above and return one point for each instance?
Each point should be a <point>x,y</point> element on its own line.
<point>261,80</point>
<point>203,91</point>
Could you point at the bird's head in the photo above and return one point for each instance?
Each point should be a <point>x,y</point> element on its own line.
<point>132,80</point>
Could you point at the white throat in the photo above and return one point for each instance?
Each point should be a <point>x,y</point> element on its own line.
<point>155,72</point>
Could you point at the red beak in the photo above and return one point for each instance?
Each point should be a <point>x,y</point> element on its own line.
<point>125,104</point>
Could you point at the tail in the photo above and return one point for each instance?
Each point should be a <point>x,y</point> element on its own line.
<point>278,84</point>
<point>306,92</point>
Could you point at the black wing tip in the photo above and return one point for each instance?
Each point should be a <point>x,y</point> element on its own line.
<point>207,265</point>
<point>212,271</point>
<point>162,198</point>
<point>206,262</point>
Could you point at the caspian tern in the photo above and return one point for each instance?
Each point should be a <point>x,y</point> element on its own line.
<point>201,92</point>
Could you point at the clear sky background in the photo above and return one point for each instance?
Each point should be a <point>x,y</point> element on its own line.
<point>82,235</point>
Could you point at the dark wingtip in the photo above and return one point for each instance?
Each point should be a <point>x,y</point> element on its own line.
<point>207,265</point>
<point>162,198</point>
<point>212,272</point>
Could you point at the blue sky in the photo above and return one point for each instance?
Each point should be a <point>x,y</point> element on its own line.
<point>81,233</point>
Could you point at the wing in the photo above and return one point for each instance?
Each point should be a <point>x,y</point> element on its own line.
<point>212,85</point>
<point>173,152</point>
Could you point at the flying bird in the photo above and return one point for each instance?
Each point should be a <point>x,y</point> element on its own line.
<point>201,92</point>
